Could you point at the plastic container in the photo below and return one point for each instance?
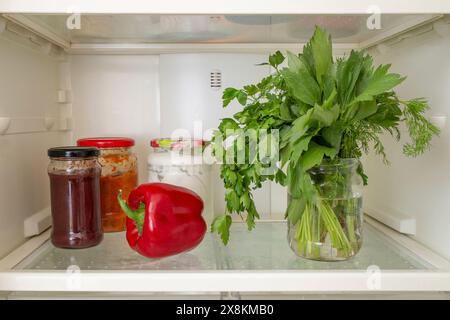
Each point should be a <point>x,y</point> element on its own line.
<point>119,172</point>
<point>180,162</point>
<point>75,197</point>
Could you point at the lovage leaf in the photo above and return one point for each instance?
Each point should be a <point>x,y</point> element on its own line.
<point>347,74</point>
<point>326,117</point>
<point>308,59</point>
<point>378,83</point>
<point>314,155</point>
<point>285,155</point>
<point>330,99</point>
<point>333,135</point>
<point>294,173</point>
<point>303,86</point>
<point>299,127</point>
<point>295,209</point>
<point>294,62</point>
<point>366,109</point>
<point>299,147</point>
<point>329,85</point>
<point>322,52</point>
<point>285,111</point>
<point>280,177</point>
<point>299,183</point>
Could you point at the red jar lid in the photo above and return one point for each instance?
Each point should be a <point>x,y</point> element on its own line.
<point>106,142</point>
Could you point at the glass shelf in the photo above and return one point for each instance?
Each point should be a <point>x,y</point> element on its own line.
<point>266,248</point>
<point>262,249</point>
<point>113,253</point>
<point>215,28</point>
<point>168,33</point>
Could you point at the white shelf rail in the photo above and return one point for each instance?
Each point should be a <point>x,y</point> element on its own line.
<point>226,281</point>
<point>394,219</point>
<point>164,48</point>
<point>45,33</point>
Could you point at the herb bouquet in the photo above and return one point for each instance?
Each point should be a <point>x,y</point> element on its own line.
<point>322,115</point>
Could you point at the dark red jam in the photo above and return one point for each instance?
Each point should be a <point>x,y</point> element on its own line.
<point>75,201</point>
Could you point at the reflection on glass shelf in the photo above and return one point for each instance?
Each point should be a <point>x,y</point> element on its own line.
<point>265,248</point>
<point>115,254</point>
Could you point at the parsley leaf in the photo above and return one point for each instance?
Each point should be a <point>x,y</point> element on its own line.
<point>221,225</point>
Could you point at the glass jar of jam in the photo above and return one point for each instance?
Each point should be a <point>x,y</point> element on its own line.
<point>119,172</point>
<point>180,162</point>
<point>75,197</point>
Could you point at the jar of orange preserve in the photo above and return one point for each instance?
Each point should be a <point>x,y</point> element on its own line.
<point>119,172</point>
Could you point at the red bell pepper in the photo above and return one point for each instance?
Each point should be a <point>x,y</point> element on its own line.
<point>163,219</point>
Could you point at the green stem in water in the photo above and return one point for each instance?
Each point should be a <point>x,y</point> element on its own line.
<point>318,221</point>
<point>308,233</point>
<point>338,237</point>
<point>350,221</point>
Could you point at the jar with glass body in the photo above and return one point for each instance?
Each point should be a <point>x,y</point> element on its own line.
<point>328,225</point>
<point>119,172</point>
<point>181,163</point>
<point>75,197</point>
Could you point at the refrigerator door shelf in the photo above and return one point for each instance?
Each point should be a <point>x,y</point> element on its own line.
<point>257,261</point>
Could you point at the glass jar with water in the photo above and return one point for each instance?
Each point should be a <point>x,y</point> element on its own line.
<point>326,223</point>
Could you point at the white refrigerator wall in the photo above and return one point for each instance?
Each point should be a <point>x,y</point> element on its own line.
<point>117,95</point>
<point>418,187</point>
<point>29,83</point>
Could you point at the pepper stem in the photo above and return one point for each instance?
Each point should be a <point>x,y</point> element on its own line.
<point>137,216</point>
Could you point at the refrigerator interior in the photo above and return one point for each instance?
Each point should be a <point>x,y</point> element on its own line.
<point>143,76</point>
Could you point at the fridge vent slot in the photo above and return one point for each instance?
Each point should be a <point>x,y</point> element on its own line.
<point>216,80</point>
